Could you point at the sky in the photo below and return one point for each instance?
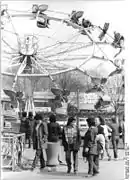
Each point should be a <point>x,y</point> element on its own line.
<point>98,12</point>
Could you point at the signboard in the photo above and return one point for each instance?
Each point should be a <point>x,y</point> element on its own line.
<point>42,109</point>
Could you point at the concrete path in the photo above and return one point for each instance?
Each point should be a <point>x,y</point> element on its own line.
<point>109,170</point>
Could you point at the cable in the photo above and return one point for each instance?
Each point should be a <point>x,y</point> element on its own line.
<point>8,44</point>
<point>18,38</point>
<point>59,12</point>
<point>69,48</point>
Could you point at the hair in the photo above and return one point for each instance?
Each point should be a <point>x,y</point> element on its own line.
<point>38,116</point>
<point>91,121</point>
<point>24,114</point>
<point>70,120</point>
<point>113,119</point>
<point>102,121</point>
<point>52,118</point>
<point>30,114</point>
<point>100,130</point>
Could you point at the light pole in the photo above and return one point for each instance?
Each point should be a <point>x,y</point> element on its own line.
<point>77,107</point>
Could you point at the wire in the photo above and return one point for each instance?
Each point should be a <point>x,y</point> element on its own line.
<point>88,59</point>
<point>18,38</point>
<point>59,12</point>
<point>8,44</point>
<point>69,48</point>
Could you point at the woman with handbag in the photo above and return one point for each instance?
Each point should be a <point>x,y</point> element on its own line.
<point>39,138</point>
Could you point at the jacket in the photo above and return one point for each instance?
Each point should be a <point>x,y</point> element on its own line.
<point>75,146</point>
<point>39,136</point>
<point>115,130</point>
<point>54,132</point>
<point>25,127</point>
<point>90,141</point>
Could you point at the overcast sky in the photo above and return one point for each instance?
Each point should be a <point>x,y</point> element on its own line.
<point>98,12</point>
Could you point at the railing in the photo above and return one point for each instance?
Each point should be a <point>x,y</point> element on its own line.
<point>12,147</point>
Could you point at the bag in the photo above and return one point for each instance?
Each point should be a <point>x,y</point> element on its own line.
<point>99,147</point>
<point>85,154</point>
<point>44,144</point>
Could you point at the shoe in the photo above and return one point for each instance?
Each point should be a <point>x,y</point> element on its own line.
<point>95,173</point>
<point>75,172</point>
<point>32,168</point>
<point>69,170</point>
<point>116,159</point>
<point>42,167</point>
<point>60,162</point>
<point>109,158</point>
<point>89,175</point>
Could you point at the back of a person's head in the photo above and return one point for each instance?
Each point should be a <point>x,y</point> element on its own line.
<point>113,119</point>
<point>100,130</point>
<point>52,118</point>
<point>102,121</point>
<point>70,120</point>
<point>91,121</point>
<point>38,116</point>
<point>24,114</point>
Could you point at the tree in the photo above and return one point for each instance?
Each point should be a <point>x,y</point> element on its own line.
<point>115,89</point>
<point>72,81</point>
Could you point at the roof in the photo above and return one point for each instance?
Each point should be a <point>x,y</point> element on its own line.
<point>85,106</point>
<point>42,95</point>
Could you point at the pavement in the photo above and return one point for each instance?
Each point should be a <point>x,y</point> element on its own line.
<point>113,170</point>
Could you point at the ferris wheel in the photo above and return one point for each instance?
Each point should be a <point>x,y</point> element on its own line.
<point>59,43</point>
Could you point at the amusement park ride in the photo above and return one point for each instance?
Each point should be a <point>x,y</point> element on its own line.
<point>29,60</point>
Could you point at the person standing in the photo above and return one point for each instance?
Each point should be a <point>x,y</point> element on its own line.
<point>107,130</point>
<point>54,132</point>
<point>115,136</point>
<point>31,121</point>
<point>90,147</point>
<point>39,137</point>
<point>122,131</point>
<point>71,141</point>
<point>25,128</point>
<point>100,138</point>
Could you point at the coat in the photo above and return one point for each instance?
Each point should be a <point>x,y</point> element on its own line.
<point>73,147</point>
<point>25,128</point>
<point>115,130</point>
<point>90,141</point>
<point>54,132</point>
<point>40,140</point>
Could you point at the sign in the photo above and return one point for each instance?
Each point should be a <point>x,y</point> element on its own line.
<point>44,109</point>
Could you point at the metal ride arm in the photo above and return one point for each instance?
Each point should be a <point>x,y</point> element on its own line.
<point>76,26</point>
<point>21,68</point>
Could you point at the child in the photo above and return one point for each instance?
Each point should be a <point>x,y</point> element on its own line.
<point>100,141</point>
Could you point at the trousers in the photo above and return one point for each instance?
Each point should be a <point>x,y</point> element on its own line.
<point>75,159</point>
<point>115,142</point>
<point>93,163</point>
<point>39,155</point>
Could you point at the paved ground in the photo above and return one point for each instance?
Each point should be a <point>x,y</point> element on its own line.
<point>113,170</point>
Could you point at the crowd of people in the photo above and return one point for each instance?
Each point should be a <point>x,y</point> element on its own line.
<point>95,143</point>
